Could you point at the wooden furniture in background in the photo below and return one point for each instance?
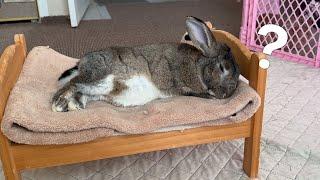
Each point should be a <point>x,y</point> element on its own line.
<point>17,157</point>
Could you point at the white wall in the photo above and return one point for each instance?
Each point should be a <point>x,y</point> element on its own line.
<point>57,7</point>
<point>53,7</point>
<point>43,8</point>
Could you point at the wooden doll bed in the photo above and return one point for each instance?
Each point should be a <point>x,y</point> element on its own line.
<point>17,157</point>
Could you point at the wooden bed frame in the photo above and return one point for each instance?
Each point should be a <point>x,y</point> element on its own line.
<point>17,157</point>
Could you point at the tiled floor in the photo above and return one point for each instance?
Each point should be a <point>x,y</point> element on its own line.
<point>290,146</point>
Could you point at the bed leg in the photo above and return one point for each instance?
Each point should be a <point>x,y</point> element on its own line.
<point>251,156</point>
<point>257,80</point>
<point>252,145</point>
<point>8,165</point>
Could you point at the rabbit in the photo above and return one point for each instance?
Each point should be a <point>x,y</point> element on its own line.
<point>133,76</point>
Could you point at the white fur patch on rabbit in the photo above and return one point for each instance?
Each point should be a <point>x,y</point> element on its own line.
<point>103,87</point>
<point>140,90</point>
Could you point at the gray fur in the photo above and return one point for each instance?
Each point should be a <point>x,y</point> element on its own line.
<point>206,70</point>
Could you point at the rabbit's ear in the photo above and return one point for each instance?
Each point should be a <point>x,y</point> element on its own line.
<point>200,35</point>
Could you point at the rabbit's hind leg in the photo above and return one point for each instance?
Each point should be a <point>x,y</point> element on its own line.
<point>77,93</point>
<point>62,98</point>
<point>69,98</point>
<point>81,100</point>
<point>78,102</point>
<point>95,91</point>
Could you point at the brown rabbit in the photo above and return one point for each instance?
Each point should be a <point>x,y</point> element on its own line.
<point>131,76</point>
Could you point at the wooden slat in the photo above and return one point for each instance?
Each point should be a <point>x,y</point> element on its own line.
<point>11,62</point>
<point>30,156</point>
<point>20,39</point>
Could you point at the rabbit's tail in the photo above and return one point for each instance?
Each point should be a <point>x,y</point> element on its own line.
<point>68,75</point>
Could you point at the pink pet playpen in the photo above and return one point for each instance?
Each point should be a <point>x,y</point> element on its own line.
<point>300,18</point>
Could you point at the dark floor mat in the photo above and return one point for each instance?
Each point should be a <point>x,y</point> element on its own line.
<point>18,10</point>
<point>131,24</point>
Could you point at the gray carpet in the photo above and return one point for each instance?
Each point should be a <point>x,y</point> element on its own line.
<point>131,24</point>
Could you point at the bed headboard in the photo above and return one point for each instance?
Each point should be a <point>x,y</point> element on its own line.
<point>11,62</point>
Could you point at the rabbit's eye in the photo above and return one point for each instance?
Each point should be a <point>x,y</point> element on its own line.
<point>187,37</point>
